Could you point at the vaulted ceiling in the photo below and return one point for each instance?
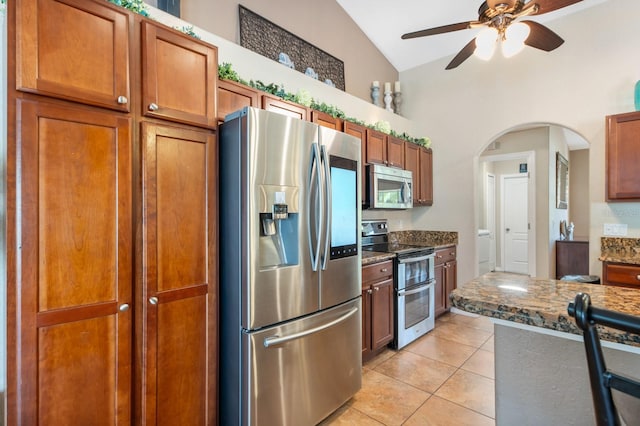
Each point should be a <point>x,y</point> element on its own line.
<point>384,22</point>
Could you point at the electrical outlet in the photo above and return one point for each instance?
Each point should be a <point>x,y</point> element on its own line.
<point>615,229</point>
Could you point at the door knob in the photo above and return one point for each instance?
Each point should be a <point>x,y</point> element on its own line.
<point>124,307</point>
<point>153,300</point>
<point>508,229</point>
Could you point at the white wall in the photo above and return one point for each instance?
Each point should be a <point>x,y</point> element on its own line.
<point>576,86</point>
<point>557,143</point>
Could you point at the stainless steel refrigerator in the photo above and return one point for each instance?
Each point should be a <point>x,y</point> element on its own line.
<point>290,270</point>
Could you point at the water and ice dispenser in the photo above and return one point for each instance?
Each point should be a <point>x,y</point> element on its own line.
<point>279,211</point>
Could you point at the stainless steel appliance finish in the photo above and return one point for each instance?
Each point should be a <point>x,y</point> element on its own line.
<point>389,188</point>
<point>290,270</point>
<point>414,282</point>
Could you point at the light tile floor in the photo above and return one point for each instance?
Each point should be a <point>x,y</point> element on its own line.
<point>444,378</point>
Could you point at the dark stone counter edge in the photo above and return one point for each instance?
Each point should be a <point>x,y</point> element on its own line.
<point>563,323</point>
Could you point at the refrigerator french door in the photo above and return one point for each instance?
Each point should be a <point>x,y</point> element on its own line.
<point>290,269</point>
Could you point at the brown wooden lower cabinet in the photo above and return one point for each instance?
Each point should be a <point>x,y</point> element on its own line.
<point>572,258</point>
<point>621,274</point>
<point>377,308</point>
<point>446,275</point>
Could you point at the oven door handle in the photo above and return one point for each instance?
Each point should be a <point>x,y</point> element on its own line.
<point>416,259</point>
<point>402,293</point>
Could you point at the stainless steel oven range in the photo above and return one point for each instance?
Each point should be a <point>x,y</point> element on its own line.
<point>414,282</point>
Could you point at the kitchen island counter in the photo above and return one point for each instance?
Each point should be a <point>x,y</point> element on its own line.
<point>541,376</point>
<point>543,302</point>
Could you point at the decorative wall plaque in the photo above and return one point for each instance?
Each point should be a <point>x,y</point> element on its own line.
<point>268,39</point>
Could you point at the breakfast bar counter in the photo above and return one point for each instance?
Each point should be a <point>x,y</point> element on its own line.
<point>541,374</point>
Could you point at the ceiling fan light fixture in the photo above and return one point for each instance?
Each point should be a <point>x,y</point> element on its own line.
<point>486,43</point>
<point>515,36</point>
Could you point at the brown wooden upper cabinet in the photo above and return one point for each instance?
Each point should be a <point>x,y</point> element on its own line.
<point>419,161</point>
<point>75,50</point>
<point>384,149</point>
<point>395,152</point>
<point>326,120</point>
<point>233,96</point>
<point>360,132</point>
<point>276,104</point>
<point>623,157</point>
<point>179,76</point>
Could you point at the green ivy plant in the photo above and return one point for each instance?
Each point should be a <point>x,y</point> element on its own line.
<point>226,72</point>
<point>136,6</point>
<point>188,30</point>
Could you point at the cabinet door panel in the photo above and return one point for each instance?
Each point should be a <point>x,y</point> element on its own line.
<point>179,76</point>
<point>623,157</point>
<point>360,132</point>
<point>395,152</point>
<point>275,104</point>
<point>326,120</point>
<point>451,272</point>
<point>376,147</point>
<point>74,49</point>
<point>366,322</point>
<point>426,177</point>
<point>178,293</point>
<point>412,163</point>
<point>74,349</point>
<point>440,304</point>
<point>234,96</point>
<point>382,314</point>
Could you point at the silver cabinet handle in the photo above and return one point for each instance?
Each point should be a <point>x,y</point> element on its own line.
<point>153,300</point>
<point>122,100</point>
<point>383,270</point>
<point>124,307</point>
<point>153,107</point>
<point>276,340</point>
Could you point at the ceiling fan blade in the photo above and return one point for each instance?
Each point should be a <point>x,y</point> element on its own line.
<point>463,55</point>
<point>441,30</point>
<point>545,6</point>
<point>542,37</point>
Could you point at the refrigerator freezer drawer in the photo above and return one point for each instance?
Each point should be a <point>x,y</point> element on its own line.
<point>300,372</point>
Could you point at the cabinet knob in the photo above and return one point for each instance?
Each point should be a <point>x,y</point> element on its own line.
<point>453,253</point>
<point>369,291</point>
<point>124,307</point>
<point>638,277</point>
<point>122,100</point>
<point>439,256</point>
<point>377,288</point>
<point>385,270</point>
<point>153,300</point>
<point>153,107</point>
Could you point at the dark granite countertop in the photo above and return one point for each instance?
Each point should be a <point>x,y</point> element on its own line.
<point>543,302</point>
<point>369,257</point>
<point>620,250</point>
<point>435,239</point>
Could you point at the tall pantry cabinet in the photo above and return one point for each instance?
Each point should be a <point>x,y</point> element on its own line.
<point>111,218</point>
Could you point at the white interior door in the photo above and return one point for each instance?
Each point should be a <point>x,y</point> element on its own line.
<point>491,219</point>
<point>515,223</point>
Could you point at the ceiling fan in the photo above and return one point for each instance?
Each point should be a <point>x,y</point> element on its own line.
<point>500,19</point>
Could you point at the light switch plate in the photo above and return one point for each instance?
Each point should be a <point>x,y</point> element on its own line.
<point>615,229</point>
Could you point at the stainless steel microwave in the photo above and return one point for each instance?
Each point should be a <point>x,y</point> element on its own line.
<point>389,188</point>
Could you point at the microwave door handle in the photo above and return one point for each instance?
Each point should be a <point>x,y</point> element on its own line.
<point>324,158</point>
<point>406,192</point>
<point>314,253</point>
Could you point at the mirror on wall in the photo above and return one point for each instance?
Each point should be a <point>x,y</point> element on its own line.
<point>562,182</point>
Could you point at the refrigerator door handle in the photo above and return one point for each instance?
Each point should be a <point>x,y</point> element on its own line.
<point>314,160</point>
<point>277,340</point>
<point>327,205</point>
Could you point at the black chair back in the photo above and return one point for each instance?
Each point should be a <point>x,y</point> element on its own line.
<point>602,380</point>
